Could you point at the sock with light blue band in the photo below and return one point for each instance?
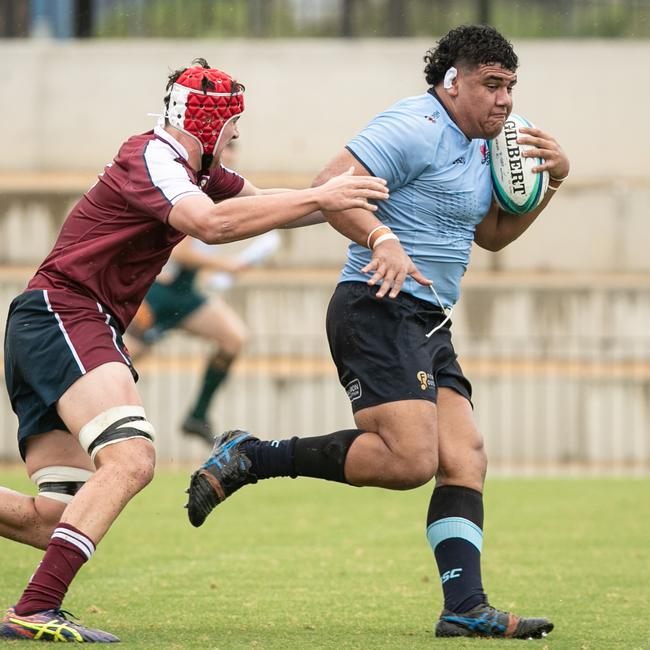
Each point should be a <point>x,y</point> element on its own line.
<point>454,530</point>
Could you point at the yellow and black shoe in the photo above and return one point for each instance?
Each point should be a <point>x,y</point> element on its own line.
<point>50,625</point>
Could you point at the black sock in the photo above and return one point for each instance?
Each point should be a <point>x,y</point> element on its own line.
<point>271,458</point>
<point>318,457</point>
<point>455,532</point>
<point>324,456</point>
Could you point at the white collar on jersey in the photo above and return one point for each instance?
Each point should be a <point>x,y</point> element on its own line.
<point>171,141</point>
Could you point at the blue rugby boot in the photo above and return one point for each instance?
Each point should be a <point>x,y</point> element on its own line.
<point>223,473</point>
<point>50,625</point>
<point>485,621</point>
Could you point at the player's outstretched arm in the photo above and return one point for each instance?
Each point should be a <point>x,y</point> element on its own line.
<point>500,228</point>
<point>310,219</point>
<point>243,217</point>
<point>390,264</point>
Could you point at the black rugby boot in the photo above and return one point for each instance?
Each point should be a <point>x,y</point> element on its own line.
<point>485,621</point>
<point>223,473</point>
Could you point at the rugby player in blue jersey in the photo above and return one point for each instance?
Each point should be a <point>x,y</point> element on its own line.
<point>392,345</point>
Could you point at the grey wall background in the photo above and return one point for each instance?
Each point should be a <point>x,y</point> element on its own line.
<point>68,105</point>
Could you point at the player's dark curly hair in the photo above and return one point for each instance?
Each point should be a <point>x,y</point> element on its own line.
<point>469,44</point>
<point>207,84</point>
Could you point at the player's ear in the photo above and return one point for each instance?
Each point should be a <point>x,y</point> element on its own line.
<point>450,82</point>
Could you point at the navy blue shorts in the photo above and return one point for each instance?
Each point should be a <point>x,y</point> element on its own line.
<point>52,339</point>
<point>381,350</point>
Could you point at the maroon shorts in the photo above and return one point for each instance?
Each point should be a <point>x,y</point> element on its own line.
<point>52,339</point>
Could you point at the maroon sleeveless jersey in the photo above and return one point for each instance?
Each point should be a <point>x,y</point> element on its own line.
<point>116,238</point>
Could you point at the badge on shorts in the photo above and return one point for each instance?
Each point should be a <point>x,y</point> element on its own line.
<point>426,380</point>
<point>353,389</point>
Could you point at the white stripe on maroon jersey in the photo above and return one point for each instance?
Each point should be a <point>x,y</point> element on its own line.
<point>167,175</point>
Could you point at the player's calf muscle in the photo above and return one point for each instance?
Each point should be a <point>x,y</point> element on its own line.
<point>413,472</point>
<point>27,519</point>
<point>420,471</point>
<point>373,462</point>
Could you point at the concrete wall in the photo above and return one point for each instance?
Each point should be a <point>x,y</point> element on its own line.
<point>68,105</point>
<point>587,228</point>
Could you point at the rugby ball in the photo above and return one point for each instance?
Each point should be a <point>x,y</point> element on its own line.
<point>516,188</point>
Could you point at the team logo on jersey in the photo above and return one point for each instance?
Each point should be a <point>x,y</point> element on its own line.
<point>459,161</point>
<point>433,118</point>
<point>353,389</point>
<point>485,154</point>
<point>426,380</point>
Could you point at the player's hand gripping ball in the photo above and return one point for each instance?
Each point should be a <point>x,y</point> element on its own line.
<point>516,188</point>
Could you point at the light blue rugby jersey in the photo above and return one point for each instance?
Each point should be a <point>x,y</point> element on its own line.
<point>440,189</point>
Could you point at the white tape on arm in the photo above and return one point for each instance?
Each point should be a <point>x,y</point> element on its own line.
<point>369,243</point>
<point>387,236</point>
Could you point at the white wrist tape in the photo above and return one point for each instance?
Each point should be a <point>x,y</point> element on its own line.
<point>386,237</point>
<point>372,232</point>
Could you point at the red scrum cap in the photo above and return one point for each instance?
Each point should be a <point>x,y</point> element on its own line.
<point>201,102</point>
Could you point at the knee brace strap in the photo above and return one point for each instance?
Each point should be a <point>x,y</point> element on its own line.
<point>115,425</point>
<point>59,482</point>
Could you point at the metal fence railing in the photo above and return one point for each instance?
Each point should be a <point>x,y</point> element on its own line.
<point>321,18</point>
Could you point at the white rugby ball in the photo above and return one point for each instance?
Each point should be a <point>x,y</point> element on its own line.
<point>516,188</point>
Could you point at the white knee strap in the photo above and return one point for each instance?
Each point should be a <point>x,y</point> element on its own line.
<point>59,482</point>
<point>115,425</point>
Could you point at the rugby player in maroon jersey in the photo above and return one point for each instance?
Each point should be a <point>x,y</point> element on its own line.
<point>82,429</point>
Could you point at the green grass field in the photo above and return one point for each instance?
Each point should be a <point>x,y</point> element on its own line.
<point>306,564</point>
